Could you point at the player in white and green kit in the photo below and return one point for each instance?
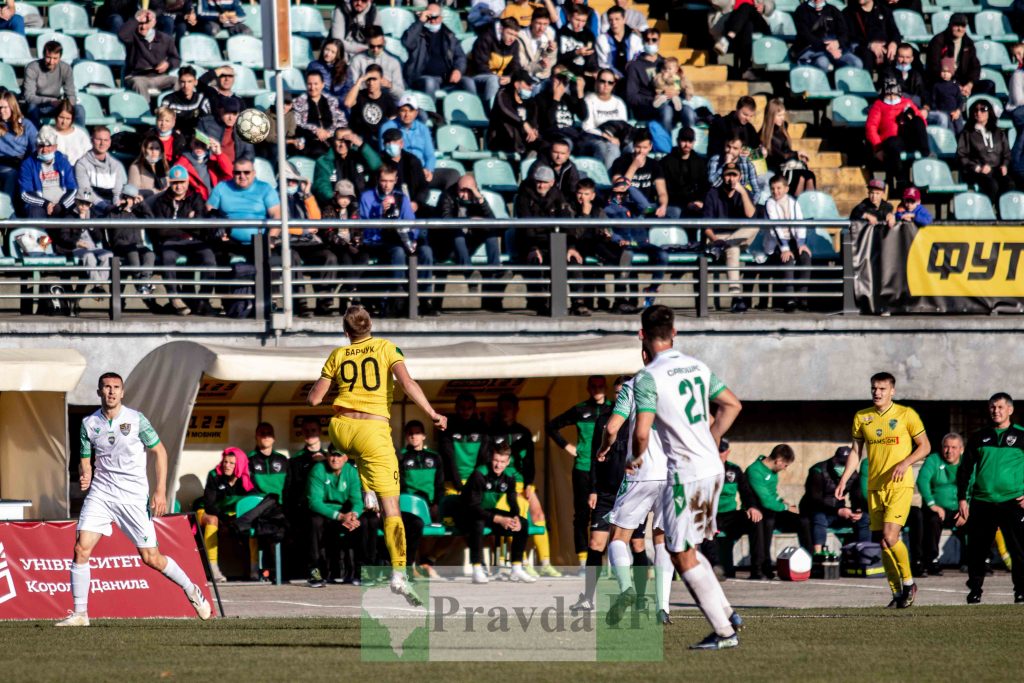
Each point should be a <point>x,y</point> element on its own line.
<point>673,396</point>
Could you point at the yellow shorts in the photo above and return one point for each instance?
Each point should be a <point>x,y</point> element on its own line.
<point>368,443</point>
<point>887,506</point>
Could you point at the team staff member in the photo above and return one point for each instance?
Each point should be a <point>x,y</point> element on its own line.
<point>583,416</point>
<point>464,443</point>
<point>733,518</point>
<point>296,509</point>
<point>268,468</point>
<point>364,373</point>
<point>776,513</point>
<point>994,460</point>
<point>819,508</point>
<point>937,483</point>
<point>335,504</point>
<point>893,438</point>
<point>422,476</point>
<point>506,428</point>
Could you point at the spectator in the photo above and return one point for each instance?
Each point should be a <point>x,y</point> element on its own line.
<point>736,124</point>
<point>576,49</point>
<point>351,23</point>
<point>514,117</point>
<point>84,246</point>
<point>607,121</point>
<point>495,57</point>
<point>343,206</point>
<point>129,245</point>
<point>48,82</point>
<point>822,37</point>
<point>47,180</point>
<point>635,19</point>
<point>72,141</point>
<point>481,505</point>
<point>112,14</point>
<point>946,100</point>
<point>375,54</point>
<point>174,17</point>
<point>819,507</point>
<point>619,44</point>
<point>937,483</point>
<point>268,468</point>
<point>521,11</point>
<point>369,104</point>
<point>348,160</point>
<point>205,164</point>
<point>317,115</point>
<point>912,210</point>
<point>908,73</point>
<point>436,59</point>
<point>874,209</point>
<point>731,200</point>
<point>537,198</point>
<point>538,46</point>
<point>983,152</point>
<point>786,245</point>
<point>763,476</point>
<point>781,156</point>
<point>99,175</point>
<point>188,103</point>
<point>873,33</point>
<point>332,68</point>
<point>895,129</point>
<point>220,128</point>
<point>245,197</point>
<point>10,20</point>
<point>218,85</point>
<point>149,170</point>
<point>954,42</point>
<point>466,443</point>
<point>307,246</point>
<point>227,480</point>
<point>295,144</point>
<point>1015,108</point>
<point>671,86</point>
<point>733,518</point>
<point>335,504</point>
<point>627,201</point>
<point>416,137</point>
<point>172,142</point>
<point>463,200</point>
<point>411,178</point>
<point>151,55</point>
<point>214,16</point>
<point>558,108</point>
<point>733,155</point>
<point>421,476</point>
<point>17,142</point>
<point>646,174</point>
<point>567,175</point>
<point>181,200</point>
<point>745,19</point>
<point>686,175</point>
<point>640,92</point>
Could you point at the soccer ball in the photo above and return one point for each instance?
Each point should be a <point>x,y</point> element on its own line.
<point>253,126</point>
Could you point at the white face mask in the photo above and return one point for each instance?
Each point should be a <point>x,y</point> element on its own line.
<point>153,158</point>
<point>150,35</point>
<point>892,99</point>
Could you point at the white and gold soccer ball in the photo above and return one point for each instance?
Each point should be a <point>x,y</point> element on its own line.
<point>253,126</point>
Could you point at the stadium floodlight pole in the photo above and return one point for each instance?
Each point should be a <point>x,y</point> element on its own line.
<point>277,56</point>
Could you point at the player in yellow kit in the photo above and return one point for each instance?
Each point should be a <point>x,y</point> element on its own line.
<point>365,372</point>
<point>893,439</point>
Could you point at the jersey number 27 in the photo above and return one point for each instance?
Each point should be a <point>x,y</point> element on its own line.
<point>695,411</point>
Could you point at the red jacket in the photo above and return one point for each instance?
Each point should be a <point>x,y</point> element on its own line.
<point>881,124</point>
<point>218,166</point>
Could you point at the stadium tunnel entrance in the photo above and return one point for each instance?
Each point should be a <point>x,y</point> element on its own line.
<point>202,398</point>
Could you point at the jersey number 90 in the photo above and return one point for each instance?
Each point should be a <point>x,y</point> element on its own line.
<point>368,371</point>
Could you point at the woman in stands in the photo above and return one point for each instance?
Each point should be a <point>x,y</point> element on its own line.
<point>72,141</point>
<point>224,484</point>
<point>17,141</point>
<point>149,170</point>
<point>333,67</point>
<point>984,152</point>
<point>782,158</point>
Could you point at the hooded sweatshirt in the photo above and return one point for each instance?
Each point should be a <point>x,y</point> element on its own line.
<point>104,179</point>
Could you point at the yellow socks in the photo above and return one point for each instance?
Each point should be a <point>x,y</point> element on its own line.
<point>210,541</point>
<point>543,545</point>
<point>394,539</point>
<point>582,557</point>
<point>892,570</point>
<point>902,558</point>
<point>1003,552</point>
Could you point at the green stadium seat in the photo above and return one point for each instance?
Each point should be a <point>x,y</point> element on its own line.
<point>771,54</point>
<point>495,175</point>
<point>467,43</point>
<point>700,143</point>
<point>94,77</point>
<point>972,206</point>
<point>940,21</point>
<point>307,21</point>
<point>105,48</point>
<point>817,205</point>
<point>452,164</point>
<point>787,5</point>
<point>28,13</point>
<point>255,23</point>
<point>1000,82</point>
<point>1011,206</point>
<point>424,101</point>
<point>132,108</point>
<point>452,19</point>
<point>294,80</point>
<point>525,166</point>
<point>6,206</point>
<point>265,100</point>
<point>203,50</point>
<point>668,237</point>
<point>265,172</point>
<point>459,142</point>
<point>942,142</point>
<point>69,18</point>
<point>394,47</point>
<point>991,53</point>
<point>850,111</point>
<point>14,49</point>
<point>245,50</point>
<point>995,26</point>
<point>697,101</point>
<point>246,84</point>
<point>94,114</point>
<point>70,53</point>
<point>416,506</point>
<point>246,504</point>
<point>302,52</point>
<point>304,165</point>
<point>466,109</point>
<point>595,170</point>
<point>781,25</point>
<point>911,26</point>
<point>998,4</point>
<point>934,176</point>
<point>395,20</point>
<point>496,202</point>
<point>8,79</point>
<point>965,6</point>
<point>853,81</point>
<point>810,82</point>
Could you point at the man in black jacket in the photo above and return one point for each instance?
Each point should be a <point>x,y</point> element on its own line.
<point>537,198</point>
<point>873,32</point>
<point>494,59</point>
<point>686,175</point>
<point>954,42</point>
<point>514,126</point>
<point>822,37</point>
<point>819,508</point>
<point>908,73</point>
<point>735,124</point>
<point>559,106</point>
<point>150,54</point>
<point>436,59</point>
<point>464,200</point>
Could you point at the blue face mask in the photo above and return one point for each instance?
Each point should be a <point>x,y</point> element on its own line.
<point>293,189</point>
<point>47,158</point>
<point>434,28</point>
<point>525,93</point>
<point>392,149</point>
<point>903,68</point>
<point>166,133</point>
<point>651,48</point>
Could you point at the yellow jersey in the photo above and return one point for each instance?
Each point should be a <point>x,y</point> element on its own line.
<point>888,438</point>
<point>362,373</point>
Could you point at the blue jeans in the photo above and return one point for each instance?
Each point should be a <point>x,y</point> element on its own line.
<point>668,116</point>
<point>398,257</point>
<point>463,257</point>
<point>15,23</point>
<point>826,62</point>
<point>821,521</point>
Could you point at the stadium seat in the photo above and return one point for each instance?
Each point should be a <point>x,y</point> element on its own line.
<point>700,143</point>
<point>811,83</point>
<point>40,258</point>
<point>942,142</point>
<point>998,4</point>
<point>466,109</point>
<point>771,54</point>
<point>105,48</point>
<point>452,164</point>
<point>452,19</point>
<point>265,100</point>
<point>853,81</point>
<point>495,175</point>
<point>69,18</point>
<point>6,206</point>
<point>934,176</point>
<point>28,12</point>
<point>911,26</point>
<point>418,507</point>
<point>265,172</point>
<point>972,206</point>
<point>8,79</point>
<point>245,50</point>
<point>294,80</point>
<point>302,52</point>
<point>781,25</point>
<point>94,114</point>
<point>255,23</point>
<point>94,77</point>
<point>467,43</point>
<point>132,108</point>
<point>247,504</point>
<point>424,101</point>
<point>1011,207</point>
<point>459,142</point>
<point>698,101</point>
<point>203,50</point>
<point>787,5</point>
<point>991,53</point>
<point>394,47</point>
<point>668,237</point>
<point>995,26</point>
<point>997,78</point>
<point>307,21</point>
<point>395,20</point>
<point>304,165</point>
<point>595,170</point>
<point>496,202</point>
<point>940,21</point>
<point>850,111</point>
<point>70,53</point>
<point>820,205</point>
<point>14,49</point>
<point>525,166</point>
<point>246,84</point>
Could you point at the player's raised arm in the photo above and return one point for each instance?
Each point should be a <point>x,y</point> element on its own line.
<point>729,407</point>
<point>415,392</point>
<point>852,465</point>
<point>316,395</point>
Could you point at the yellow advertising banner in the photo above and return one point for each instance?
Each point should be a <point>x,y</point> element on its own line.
<point>208,426</point>
<point>966,261</point>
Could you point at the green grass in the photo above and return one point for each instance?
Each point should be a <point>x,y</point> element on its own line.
<point>923,644</point>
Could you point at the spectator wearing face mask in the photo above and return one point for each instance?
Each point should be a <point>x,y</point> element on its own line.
<point>47,180</point>
<point>514,117</point>
<point>895,126</point>
<point>150,55</point>
<point>149,170</point>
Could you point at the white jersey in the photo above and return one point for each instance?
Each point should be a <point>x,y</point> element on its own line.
<point>654,466</point>
<point>120,448</point>
<point>678,390</point>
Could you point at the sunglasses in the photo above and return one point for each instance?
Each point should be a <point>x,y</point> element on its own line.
<point>227,76</point>
<point>376,46</point>
<point>243,173</point>
<point>652,41</point>
<point>605,81</point>
<point>433,17</point>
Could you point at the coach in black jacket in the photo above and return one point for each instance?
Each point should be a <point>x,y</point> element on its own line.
<point>819,508</point>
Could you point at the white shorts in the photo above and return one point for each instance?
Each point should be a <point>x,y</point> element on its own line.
<point>133,520</point>
<point>634,501</point>
<point>688,512</point>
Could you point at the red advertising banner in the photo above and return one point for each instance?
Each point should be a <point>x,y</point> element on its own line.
<point>35,566</point>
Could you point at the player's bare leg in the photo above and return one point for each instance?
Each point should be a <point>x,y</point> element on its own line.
<point>80,577</point>
<point>153,558</point>
<point>394,539</point>
<point>707,593</point>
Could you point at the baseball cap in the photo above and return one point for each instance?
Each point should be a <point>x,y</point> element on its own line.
<point>730,169</point>
<point>841,452</point>
<point>543,173</point>
<point>408,101</point>
<point>345,188</point>
<point>958,19</point>
<point>912,194</point>
<point>292,173</point>
<point>723,445</point>
<point>129,190</point>
<point>177,174</point>
<point>47,136</point>
<point>876,184</point>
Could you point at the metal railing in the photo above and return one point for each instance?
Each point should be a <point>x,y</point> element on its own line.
<point>694,275</point>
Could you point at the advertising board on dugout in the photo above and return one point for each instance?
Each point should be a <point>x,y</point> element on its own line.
<point>966,261</point>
